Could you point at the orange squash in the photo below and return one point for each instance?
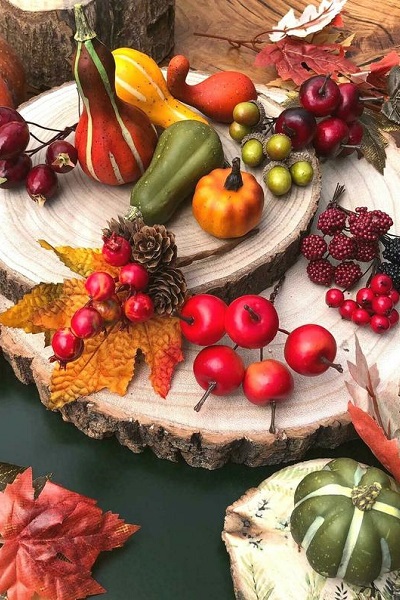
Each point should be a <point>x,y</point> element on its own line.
<point>12,76</point>
<point>228,203</point>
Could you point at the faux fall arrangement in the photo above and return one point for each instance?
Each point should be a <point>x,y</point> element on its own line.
<point>130,298</point>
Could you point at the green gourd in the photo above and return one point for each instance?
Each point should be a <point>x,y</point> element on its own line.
<point>185,152</point>
<point>347,519</point>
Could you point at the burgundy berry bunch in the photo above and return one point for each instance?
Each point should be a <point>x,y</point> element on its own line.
<point>252,322</point>
<point>373,305</point>
<point>346,241</point>
<point>41,180</point>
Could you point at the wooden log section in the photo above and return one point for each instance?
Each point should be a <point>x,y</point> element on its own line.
<point>42,32</point>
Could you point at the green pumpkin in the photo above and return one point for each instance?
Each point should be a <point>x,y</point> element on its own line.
<point>347,519</point>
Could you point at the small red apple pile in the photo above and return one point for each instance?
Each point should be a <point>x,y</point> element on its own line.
<point>251,322</point>
<point>374,305</point>
<point>110,300</point>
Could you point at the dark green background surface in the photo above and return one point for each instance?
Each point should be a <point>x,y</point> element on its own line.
<point>178,552</point>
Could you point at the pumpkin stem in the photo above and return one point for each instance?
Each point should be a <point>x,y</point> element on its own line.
<point>364,496</point>
<point>234,180</point>
<point>83,30</point>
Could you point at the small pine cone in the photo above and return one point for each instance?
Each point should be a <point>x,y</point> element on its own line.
<point>331,220</point>
<point>313,247</point>
<point>366,250</point>
<point>347,273</point>
<point>167,288</point>
<point>321,271</point>
<point>125,227</point>
<point>342,247</point>
<point>154,247</point>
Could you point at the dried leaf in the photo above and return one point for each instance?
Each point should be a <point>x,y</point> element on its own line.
<point>82,261</point>
<point>312,19</point>
<point>22,314</point>
<point>391,108</point>
<point>293,59</point>
<point>366,377</point>
<point>58,313</point>
<point>51,541</point>
<point>373,143</point>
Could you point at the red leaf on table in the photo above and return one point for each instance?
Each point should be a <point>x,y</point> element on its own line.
<point>51,542</point>
<point>386,451</point>
<point>294,58</point>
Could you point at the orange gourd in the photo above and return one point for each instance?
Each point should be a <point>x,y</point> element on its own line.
<point>12,76</point>
<point>216,96</point>
<point>228,203</point>
<point>115,141</point>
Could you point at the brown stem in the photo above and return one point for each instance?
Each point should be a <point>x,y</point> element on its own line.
<point>184,261</point>
<point>261,354</point>
<point>188,320</point>
<point>61,135</point>
<point>255,316</point>
<point>323,86</point>
<point>272,427</point>
<point>336,366</point>
<point>234,181</point>
<point>204,397</point>
<point>285,331</point>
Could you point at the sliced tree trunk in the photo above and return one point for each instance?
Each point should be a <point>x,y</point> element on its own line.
<point>42,32</point>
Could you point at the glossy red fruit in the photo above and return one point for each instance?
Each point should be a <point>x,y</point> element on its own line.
<point>382,305</point>
<point>139,308</point>
<point>14,171</point>
<point>14,138</point>
<point>350,107</point>
<point>364,297</point>
<point>251,321</point>
<point>86,322</point>
<point>61,156</point>
<point>134,276</point>
<point>8,114</point>
<point>381,284</point>
<point>100,285</point>
<point>334,298</point>
<point>331,133</point>
<point>347,308</point>
<point>203,319</point>
<point>66,346</point>
<point>360,316</point>
<point>116,250</point>
<point>310,350</point>
<point>356,134</point>
<point>110,310</point>
<point>320,95</point>
<point>380,323</point>
<point>41,183</point>
<point>394,295</point>
<point>394,317</point>
<point>219,370</point>
<point>298,124</point>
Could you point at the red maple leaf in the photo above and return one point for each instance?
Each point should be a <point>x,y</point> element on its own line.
<point>295,58</point>
<point>51,542</point>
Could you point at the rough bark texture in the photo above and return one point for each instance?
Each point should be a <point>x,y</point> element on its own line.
<point>44,37</point>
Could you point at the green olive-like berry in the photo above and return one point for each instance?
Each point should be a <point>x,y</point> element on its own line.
<point>302,172</point>
<point>278,180</point>
<point>246,113</point>
<point>237,131</point>
<point>252,153</point>
<point>278,146</point>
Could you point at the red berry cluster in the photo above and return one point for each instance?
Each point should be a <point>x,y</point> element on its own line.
<point>328,117</point>
<point>346,239</point>
<point>373,304</point>
<point>41,180</point>
<point>251,321</point>
<point>110,300</point>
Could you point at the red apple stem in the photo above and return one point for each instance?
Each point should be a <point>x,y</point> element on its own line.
<point>321,90</point>
<point>272,428</point>
<point>255,316</point>
<point>188,320</point>
<point>285,331</point>
<point>261,353</point>
<point>204,397</point>
<point>331,364</point>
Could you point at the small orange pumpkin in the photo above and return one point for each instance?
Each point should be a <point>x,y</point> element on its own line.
<point>228,203</point>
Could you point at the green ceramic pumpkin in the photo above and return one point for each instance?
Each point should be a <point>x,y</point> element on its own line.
<point>347,519</point>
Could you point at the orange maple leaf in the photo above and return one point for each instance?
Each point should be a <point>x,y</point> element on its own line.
<point>82,261</point>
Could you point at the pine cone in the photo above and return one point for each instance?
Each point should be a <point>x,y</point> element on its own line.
<point>167,289</point>
<point>124,227</point>
<point>154,247</point>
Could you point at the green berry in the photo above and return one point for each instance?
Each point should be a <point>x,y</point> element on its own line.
<point>246,113</point>
<point>302,172</point>
<point>278,146</point>
<point>252,153</point>
<point>278,180</point>
<point>237,131</point>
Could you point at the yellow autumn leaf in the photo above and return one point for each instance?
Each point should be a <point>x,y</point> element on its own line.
<point>82,261</point>
<point>58,312</point>
<point>22,314</point>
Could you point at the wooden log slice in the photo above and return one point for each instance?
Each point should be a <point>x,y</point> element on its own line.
<point>226,428</point>
<point>42,32</point>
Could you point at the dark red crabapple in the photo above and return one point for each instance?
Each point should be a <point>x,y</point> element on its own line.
<point>61,156</point>
<point>330,135</point>
<point>320,95</point>
<point>14,138</point>
<point>13,171</point>
<point>298,124</point>
<point>41,183</point>
<point>350,107</point>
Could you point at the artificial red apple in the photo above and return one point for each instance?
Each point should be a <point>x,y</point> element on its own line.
<point>203,319</point>
<point>251,321</point>
<point>310,350</point>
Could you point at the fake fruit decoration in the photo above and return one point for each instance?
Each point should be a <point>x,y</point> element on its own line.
<point>61,156</point>
<point>116,250</point>
<point>202,319</point>
<point>228,203</point>
<point>347,518</point>
<point>320,95</point>
<point>216,96</point>
<point>41,183</point>
<point>310,350</point>
<point>138,308</point>
<point>66,346</point>
<point>171,178</point>
<point>298,124</point>
<point>268,382</point>
<point>251,321</point>
<point>115,141</point>
<point>12,76</point>
<point>278,179</point>
<point>219,370</point>
<point>331,135</point>
<point>140,82</point>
